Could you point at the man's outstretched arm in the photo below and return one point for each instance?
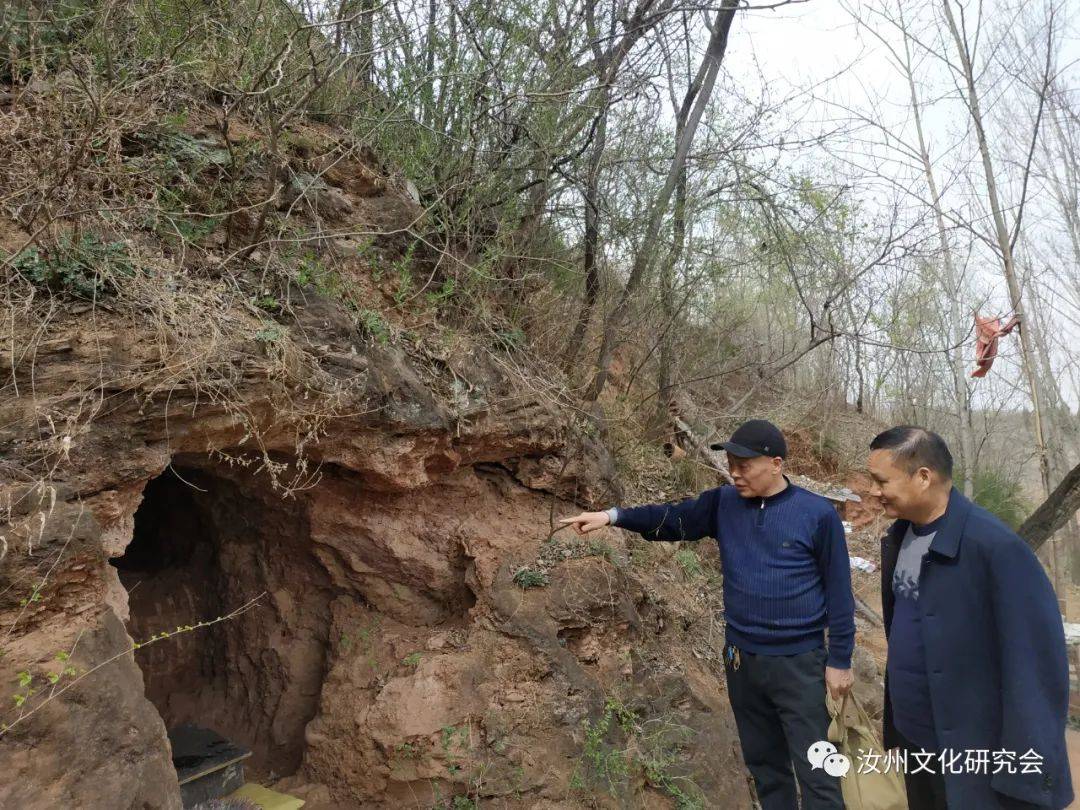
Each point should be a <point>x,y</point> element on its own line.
<point>689,520</point>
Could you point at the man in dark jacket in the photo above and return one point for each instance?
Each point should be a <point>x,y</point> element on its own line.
<point>977,671</point>
<point>786,578</point>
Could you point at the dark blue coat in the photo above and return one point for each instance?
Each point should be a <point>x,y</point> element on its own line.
<point>995,656</point>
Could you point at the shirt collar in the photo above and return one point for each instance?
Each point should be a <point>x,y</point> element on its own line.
<point>785,492</point>
<point>931,527</point>
<point>947,538</point>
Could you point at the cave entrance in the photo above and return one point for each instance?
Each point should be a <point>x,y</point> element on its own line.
<point>206,541</point>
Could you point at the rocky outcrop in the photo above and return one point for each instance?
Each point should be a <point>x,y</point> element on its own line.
<point>362,525</point>
<point>231,493</point>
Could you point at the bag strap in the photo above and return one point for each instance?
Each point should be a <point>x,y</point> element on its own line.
<point>838,714</point>
<point>871,726</point>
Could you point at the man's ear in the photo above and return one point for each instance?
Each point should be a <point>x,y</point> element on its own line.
<point>926,476</point>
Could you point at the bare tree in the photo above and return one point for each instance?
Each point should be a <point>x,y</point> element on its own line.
<point>696,99</point>
<point>670,263</point>
<point>951,281</point>
<point>1006,241</point>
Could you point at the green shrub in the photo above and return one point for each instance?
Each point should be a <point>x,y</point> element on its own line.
<point>621,743</point>
<point>605,764</point>
<point>1002,495</point>
<point>510,340</point>
<point>444,293</point>
<point>528,578</point>
<point>373,324</point>
<point>86,268</point>
<point>30,43</point>
<point>268,303</point>
<point>270,333</point>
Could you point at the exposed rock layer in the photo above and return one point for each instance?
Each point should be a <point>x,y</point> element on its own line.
<point>388,658</point>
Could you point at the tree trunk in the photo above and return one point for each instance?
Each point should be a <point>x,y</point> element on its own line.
<point>1004,243</point>
<point>592,238</point>
<point>1005,246</point>
<point>667,307</point>
<point>710,66</point>
<point>667,290</point>
<point>1063,426</point>
<point>427,89</point>
<point>1054,512</point>
<point>952,284</point>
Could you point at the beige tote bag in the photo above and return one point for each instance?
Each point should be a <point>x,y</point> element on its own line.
<point>854,734</point>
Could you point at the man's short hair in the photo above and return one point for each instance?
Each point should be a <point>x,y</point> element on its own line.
<point>914,447</point>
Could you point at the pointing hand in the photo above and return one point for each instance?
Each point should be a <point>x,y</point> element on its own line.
<point>587,521</point>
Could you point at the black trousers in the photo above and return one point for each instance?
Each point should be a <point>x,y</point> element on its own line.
<point>779,707</point>
<point>925,789</point>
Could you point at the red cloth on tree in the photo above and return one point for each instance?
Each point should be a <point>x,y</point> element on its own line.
<point>987,332</point>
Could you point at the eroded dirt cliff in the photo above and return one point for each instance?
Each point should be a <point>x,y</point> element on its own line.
<point>349,544</point>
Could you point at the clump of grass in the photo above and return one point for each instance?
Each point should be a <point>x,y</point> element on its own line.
<point>621,743</point>
<point>688,559</point>
<point>688,476</point>
<point>598,548</point>
<point>374,325</point>
<point>530,578</point>
<point>84,267</point>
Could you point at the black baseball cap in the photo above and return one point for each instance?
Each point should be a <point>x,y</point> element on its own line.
<point>757,437</point>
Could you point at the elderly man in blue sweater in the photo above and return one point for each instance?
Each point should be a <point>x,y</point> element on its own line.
<point>786,580</point>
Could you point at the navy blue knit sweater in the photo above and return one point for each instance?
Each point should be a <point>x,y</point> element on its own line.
<point>785,560</point>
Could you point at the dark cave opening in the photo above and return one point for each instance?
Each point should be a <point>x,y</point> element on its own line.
<point>207,541</point>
